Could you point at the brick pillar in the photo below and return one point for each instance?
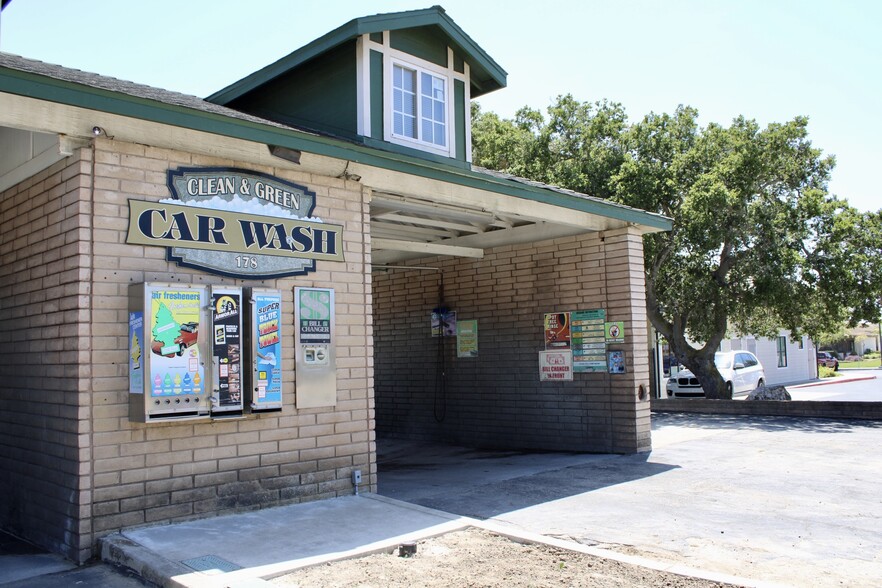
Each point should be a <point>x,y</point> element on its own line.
<point>626,301</point>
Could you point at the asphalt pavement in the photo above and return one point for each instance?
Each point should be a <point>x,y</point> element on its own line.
<point>787,501</point>
<point>849,385</point>
<point>758,501</point>
<point>23,565</point>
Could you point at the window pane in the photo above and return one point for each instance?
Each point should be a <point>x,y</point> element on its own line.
<point>408,80</point>
<point>397,124</point>
<point>409,126</point>
<point>408,105</point>
<point>439,112</point>
<point>427,107</point>
<point>427,131</point>
<point>438,88</point>
<point>396,77</point>
<point>440,138</point>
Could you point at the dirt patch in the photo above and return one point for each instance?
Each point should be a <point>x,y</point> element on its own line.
<point>476,557</point>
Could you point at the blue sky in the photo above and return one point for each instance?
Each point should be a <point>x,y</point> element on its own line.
<point>768,60</point>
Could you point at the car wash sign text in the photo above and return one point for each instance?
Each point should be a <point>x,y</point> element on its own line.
<point>236,223</point>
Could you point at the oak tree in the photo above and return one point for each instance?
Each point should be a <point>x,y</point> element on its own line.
<point>758,244</point>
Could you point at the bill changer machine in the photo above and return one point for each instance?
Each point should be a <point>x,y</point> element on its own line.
<point>315,353</point>
<point>184,351</point>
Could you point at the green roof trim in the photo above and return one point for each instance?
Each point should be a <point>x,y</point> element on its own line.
<point>225,122</point>
<point>487,74</point>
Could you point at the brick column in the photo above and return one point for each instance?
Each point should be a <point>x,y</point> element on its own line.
<point>626,301</point>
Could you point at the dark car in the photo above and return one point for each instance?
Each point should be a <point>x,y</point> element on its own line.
<point>827,359</point>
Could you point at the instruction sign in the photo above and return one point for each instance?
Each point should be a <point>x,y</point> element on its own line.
<point>589,340</point>
<point>467,338</point>
<point>556,366</point>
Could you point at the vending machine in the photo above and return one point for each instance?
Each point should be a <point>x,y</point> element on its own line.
<point>315,350</point>
<point>167,352</point>
<point>264,332</point>
<point>225,309</point>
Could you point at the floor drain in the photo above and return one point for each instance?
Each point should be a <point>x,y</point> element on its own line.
<point>211,563</point>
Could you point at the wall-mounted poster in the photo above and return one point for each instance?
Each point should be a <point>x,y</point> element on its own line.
<point>467,338</point>
<point>136,352</point>
<point>226,320</point>
<point>176,367</point>
<point>557,330</point>
<point>444,323</point>
<point>266,341</point>
<point>615,362</point>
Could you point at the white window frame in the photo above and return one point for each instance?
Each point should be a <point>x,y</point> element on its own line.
<point>419,67</point>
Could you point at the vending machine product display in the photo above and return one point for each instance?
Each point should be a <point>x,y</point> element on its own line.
<point>264,330</point>
<point>226,356</point>
<point>167,371</point>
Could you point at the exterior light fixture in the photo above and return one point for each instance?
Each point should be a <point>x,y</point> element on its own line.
<point>98,131</point>
<point>292,155</point>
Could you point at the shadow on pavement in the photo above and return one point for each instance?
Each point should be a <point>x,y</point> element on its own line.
<point>483,484</point>
<point>760,423</point>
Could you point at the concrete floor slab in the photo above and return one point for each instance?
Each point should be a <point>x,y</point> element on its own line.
<point>781,500</point>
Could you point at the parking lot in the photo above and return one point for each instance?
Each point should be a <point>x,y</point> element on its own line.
<point>780,500</point>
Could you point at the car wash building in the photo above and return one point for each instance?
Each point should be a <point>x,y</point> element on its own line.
<point>209,306</point>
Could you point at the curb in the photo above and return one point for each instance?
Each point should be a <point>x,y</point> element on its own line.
<point>150,566</point>
<point>828,381</point>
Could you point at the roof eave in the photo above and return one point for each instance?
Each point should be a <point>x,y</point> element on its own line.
<point>50,89</point>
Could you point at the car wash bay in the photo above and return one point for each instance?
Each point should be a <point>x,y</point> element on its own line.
<point>471,376</point>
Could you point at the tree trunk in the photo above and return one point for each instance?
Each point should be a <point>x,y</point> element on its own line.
<point>701,363</point>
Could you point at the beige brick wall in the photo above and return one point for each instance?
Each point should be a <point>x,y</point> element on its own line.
<point>497,399</point>
<point>136,474</point>
<point>43,312</point>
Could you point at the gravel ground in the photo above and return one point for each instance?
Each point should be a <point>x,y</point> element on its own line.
<point>476,557</point>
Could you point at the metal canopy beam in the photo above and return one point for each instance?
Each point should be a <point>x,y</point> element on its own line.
<point>426,248</point>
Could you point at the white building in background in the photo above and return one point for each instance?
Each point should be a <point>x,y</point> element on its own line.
<point>785,359</point>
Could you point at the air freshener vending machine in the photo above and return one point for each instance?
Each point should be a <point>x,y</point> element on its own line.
<point>226,355</point>
<point>167,351</point>
<point>264,331</point>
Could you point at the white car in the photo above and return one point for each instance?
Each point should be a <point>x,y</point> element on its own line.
<point>741,370</point>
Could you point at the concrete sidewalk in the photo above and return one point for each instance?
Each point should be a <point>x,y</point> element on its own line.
<point>246,550</point>
<point>755,501</point>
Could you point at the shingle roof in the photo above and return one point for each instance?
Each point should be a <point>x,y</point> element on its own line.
<point>111,84</point>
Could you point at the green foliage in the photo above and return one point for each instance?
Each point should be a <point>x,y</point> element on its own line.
<point>868,362</point>
<point>757,243</point>
<point>826,372</point>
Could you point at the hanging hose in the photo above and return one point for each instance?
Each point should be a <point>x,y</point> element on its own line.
<point>439,403</point>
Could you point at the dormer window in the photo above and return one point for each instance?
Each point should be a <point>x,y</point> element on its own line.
<point>401,82</point>
<point>419,108</point>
